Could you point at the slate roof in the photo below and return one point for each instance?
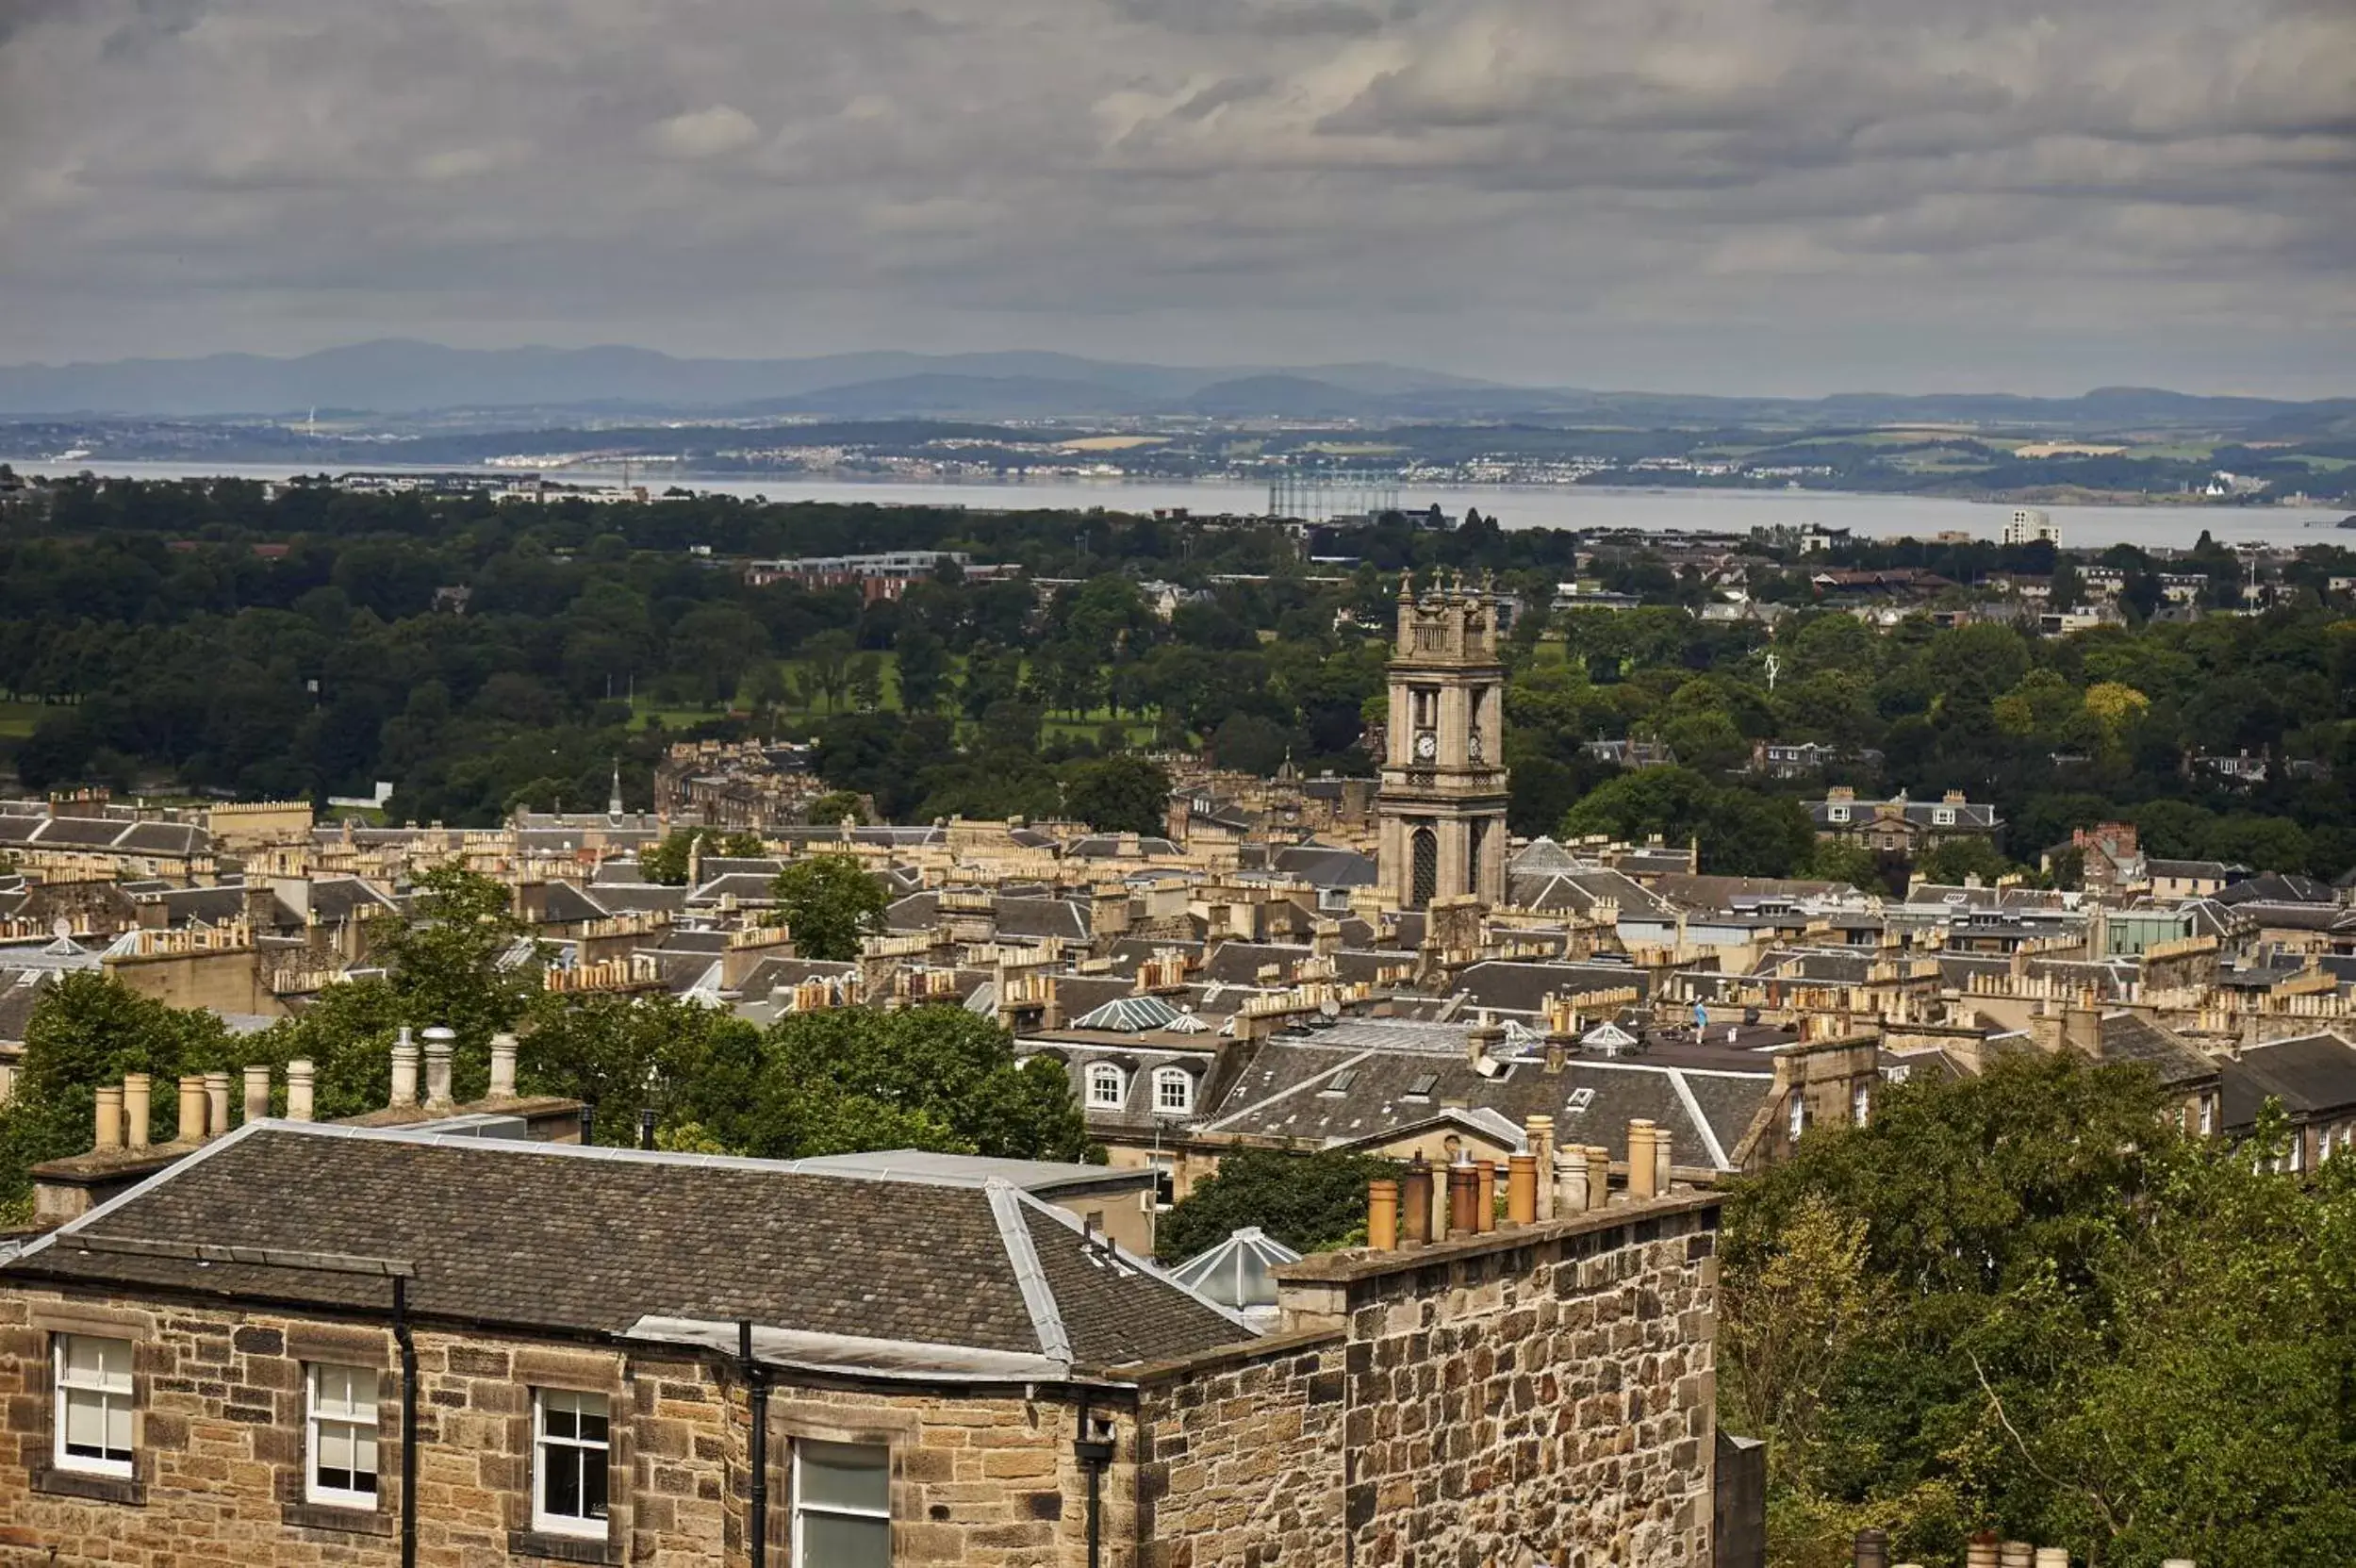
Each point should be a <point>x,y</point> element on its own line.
<point>1509,985</point>
<point>1321,865</point>
<point>554,1237</point>
<point>1295,1088</point>
<point>2314,1074</point>
<point>2125,1037</point>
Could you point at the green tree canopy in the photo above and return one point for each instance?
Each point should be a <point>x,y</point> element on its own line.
<point>2025,1301</point>
<point>1312,1202</point>
<point>853,1079</point>
<point>1122,794</point>
<point>830,903</point>
<point>667,862</point>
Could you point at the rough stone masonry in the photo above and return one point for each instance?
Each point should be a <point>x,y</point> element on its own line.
<point>1543,1393</point>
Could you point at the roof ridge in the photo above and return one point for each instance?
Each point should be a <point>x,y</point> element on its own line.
<point>1046,1317</point>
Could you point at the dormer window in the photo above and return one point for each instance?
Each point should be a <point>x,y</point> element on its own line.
<point>1173,1092</point>
<point>1942,817</point>
<point>1836,814</point>
<point>1107,1088</point>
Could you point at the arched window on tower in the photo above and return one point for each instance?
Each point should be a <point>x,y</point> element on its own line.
<point>1423,868</point>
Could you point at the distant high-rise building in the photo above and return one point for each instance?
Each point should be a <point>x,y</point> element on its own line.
<point>2029,526</point>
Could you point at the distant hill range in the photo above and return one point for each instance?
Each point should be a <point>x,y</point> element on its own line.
<point>402,379</point>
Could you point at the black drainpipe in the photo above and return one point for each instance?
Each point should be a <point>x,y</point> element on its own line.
<point>1094,1454</point>
<point>408,1421</point>
<point>757,1398</point>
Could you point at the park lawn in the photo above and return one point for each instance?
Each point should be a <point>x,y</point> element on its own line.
<point>18,719</point>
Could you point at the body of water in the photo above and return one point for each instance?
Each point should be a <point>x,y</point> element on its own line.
<point>1586,507</point>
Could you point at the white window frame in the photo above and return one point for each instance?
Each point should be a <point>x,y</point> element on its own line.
<point>2208,1116</point>
<point>1942,817</point>
<point>803,1507</point>
<point>1166,1079</point>
<point>1796,1116</point>
<point>542,1443</point>
<point>1861,1104</point>
<point>1101,1074</point>
<point>322,1415</point>
<point>110,1391</point>
<point>1836,814</point>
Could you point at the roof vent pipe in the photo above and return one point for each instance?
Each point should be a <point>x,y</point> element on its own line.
<point>440,1043</point>
<point>137,1090</point>
<point>502,1067</point>
<point>404,1070</point>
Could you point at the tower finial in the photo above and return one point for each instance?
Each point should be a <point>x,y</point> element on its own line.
<point>613,801</point>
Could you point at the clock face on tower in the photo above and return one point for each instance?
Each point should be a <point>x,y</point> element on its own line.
<point>1426,746</point>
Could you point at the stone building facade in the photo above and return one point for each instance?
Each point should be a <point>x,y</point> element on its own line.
<point>174,1379</point>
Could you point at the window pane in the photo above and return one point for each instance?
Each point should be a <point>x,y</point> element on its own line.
<point>335,1447</point>
<point>560,1492</point>
<point>830,1541</point>
<point>593,1422</point>
<point>364,1454</point>
<point>556,1417</point>
<point>118,1428</point>
<point>85,1422</point>
<point>842,1476</point>
<point>593,1479</point>
<point>91,1362</point>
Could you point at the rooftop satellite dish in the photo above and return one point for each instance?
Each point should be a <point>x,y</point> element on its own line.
<point>62,929</point>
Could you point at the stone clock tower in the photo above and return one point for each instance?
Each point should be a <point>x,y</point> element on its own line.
<point>1442,805</point>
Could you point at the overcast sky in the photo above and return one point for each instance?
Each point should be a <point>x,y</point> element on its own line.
<point>1703,195</point>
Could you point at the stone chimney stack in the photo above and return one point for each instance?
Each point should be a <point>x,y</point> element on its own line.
<point>299,1082</point>
<point>108,1134</point>
<point>215,1103</point>
<point>1643,1169</point>
<point>256,1094</point>
<point>189,1128</point>
<point>137,1089</point>
<point>439,1043</point>
<point>502,1067</point>
<point>404,1070</point>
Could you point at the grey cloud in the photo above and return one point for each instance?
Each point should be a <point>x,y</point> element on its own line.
<point>1526,188</point>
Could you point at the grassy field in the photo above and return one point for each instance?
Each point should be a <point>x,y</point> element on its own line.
<point>796,717</point>
<point>18,719</point>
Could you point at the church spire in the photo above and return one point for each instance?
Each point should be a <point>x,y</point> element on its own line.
<point>613,801</point>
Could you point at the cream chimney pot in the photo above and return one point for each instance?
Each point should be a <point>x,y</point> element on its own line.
<point>404,1070</point>
<point>110,1129</point>
<point>190,1127</point>
<point>1643,1172</point>
<point>216,1104</point>
<point>256,1093</point>
<point>1660,1160</point>
<point>1598,1176</point>
<point>440,1043</point>
<point>1571,1181</point>
<point>502,1067</point>
<point>137,1088</point>
<point>299,1079</point>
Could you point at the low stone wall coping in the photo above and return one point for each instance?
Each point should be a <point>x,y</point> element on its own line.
<point>1343,1268</point>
